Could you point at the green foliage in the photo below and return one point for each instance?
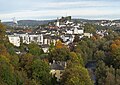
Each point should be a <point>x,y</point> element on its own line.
<point>51,47</point>
<point>31,69</point>
<point>34,49</point>
<point>116,58</point>
<point>90,28</point>
<point>110,78</point>
<point>59,54</point>
<point>99,55</point>
<point>23,69</point>
<point>41,72</point>
<point>2,32</point>
<point>107,75</point>
<point>112,35</point>
<point>76,73</point>
<point>75,59</point>
<point>7,71</point>
<point>101,71</point>
<point>85,51</point>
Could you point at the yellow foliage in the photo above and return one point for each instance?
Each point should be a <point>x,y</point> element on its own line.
<point>113,46</point>
<point>5,58</point>
<point>93,38</point>
<point>117,42</point>
<point>59,44</point>
<point>3,50</point>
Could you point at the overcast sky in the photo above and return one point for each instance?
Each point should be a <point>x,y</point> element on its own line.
<point>51,9</point>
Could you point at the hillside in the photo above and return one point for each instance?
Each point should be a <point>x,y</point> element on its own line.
<point>42,22</point>
<point>29,22</point>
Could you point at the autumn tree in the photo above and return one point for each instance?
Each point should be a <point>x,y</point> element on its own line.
<point>101,71</point>
<point>2,32</point>
<point>85,51</point>
<point>76,73</point>
<point>99,55</point>
<point>7,75</point>
<point>59,53</point>
<point>90,28</point>
<point>110,76</point>
<point>41,72</point>
<point>59,45</point>
<point>34,49</point>
<point>75,59</point>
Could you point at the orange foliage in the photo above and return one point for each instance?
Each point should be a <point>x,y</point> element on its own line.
<point>113,46</point>
<point>117,42</point>
<point>3,50</point>
<point>93,38</point>
<point>59,44</point>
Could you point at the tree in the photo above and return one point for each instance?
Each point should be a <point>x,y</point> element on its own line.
<point>99,55</point>
<point>90,28</point>
<point>101,71</point>
<point>85,51</point>
<point>59,54</point>
<point>117,76</point>
<point>25,63</point>
<point>51,47</point>
<point>59,45</point>
<point>110,79</point>
<point>106,46</point>
<point>3,50</point>
<point>76,73</point>
<point>2,32</point>
<point>75,59</point>
<point>34,49</point>
<point>116,60</point>
<point>115,53</point>
<point>7,75</point>
<point>41,72</point>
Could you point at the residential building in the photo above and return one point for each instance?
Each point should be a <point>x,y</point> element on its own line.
<point>14,39</point>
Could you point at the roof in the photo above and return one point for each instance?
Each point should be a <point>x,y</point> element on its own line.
<point>58,65</point>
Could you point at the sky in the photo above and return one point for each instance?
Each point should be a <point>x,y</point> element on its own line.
<point>51,9</point>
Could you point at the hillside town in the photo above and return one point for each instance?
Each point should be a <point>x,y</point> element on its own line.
<point>64,47</point>
<point>63,29</point>
<point>59,42</point>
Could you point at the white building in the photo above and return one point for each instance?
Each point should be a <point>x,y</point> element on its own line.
<point>26,38</point>
<point>23,36</point>
<point>67,38</point>
<point>69,32</point>
<point>68,22</point>
<point>88,35</point>
<point>78,31</point>
<point>14,39</point>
